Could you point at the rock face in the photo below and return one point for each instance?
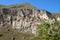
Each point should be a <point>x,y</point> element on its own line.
<point>23,19</point>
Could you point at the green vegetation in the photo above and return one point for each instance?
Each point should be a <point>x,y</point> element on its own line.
<point>45,31</point>
<point>49,32</point>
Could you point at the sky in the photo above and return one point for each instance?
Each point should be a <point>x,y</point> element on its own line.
<point>49,5</point>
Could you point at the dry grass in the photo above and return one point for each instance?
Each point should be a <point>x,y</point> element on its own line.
<point>56,14</point>
<point>7,33</point>
<point>27,5</point>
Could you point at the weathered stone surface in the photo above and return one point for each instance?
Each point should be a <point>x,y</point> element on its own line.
<point>24,19</point>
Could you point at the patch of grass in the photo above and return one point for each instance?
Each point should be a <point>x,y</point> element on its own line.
<point>24,5</point>
<point>37,38</point>
<point>56,14</point>
<point>7,33</point>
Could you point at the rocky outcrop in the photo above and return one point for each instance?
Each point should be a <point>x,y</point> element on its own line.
<point>24,19</point>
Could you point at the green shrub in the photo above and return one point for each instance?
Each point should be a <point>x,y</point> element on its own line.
<point>49,32</point>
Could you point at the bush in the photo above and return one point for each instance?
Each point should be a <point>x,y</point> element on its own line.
<point>49,32</point>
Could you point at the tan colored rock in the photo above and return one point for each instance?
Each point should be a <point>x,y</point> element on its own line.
<point>24,19</point>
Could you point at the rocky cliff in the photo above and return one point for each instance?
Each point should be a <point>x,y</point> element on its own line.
<point>24,19</point>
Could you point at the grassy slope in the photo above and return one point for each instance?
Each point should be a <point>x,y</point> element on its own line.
<point>56,14</point>
<point>27,5</point>
<point>7,33</point>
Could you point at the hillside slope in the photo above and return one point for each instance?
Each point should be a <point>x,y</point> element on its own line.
<point>7,33</point>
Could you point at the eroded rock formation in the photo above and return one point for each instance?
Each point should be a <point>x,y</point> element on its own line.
<point>24,19</point>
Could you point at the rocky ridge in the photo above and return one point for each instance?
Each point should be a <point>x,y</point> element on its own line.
<point>24,19</point>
